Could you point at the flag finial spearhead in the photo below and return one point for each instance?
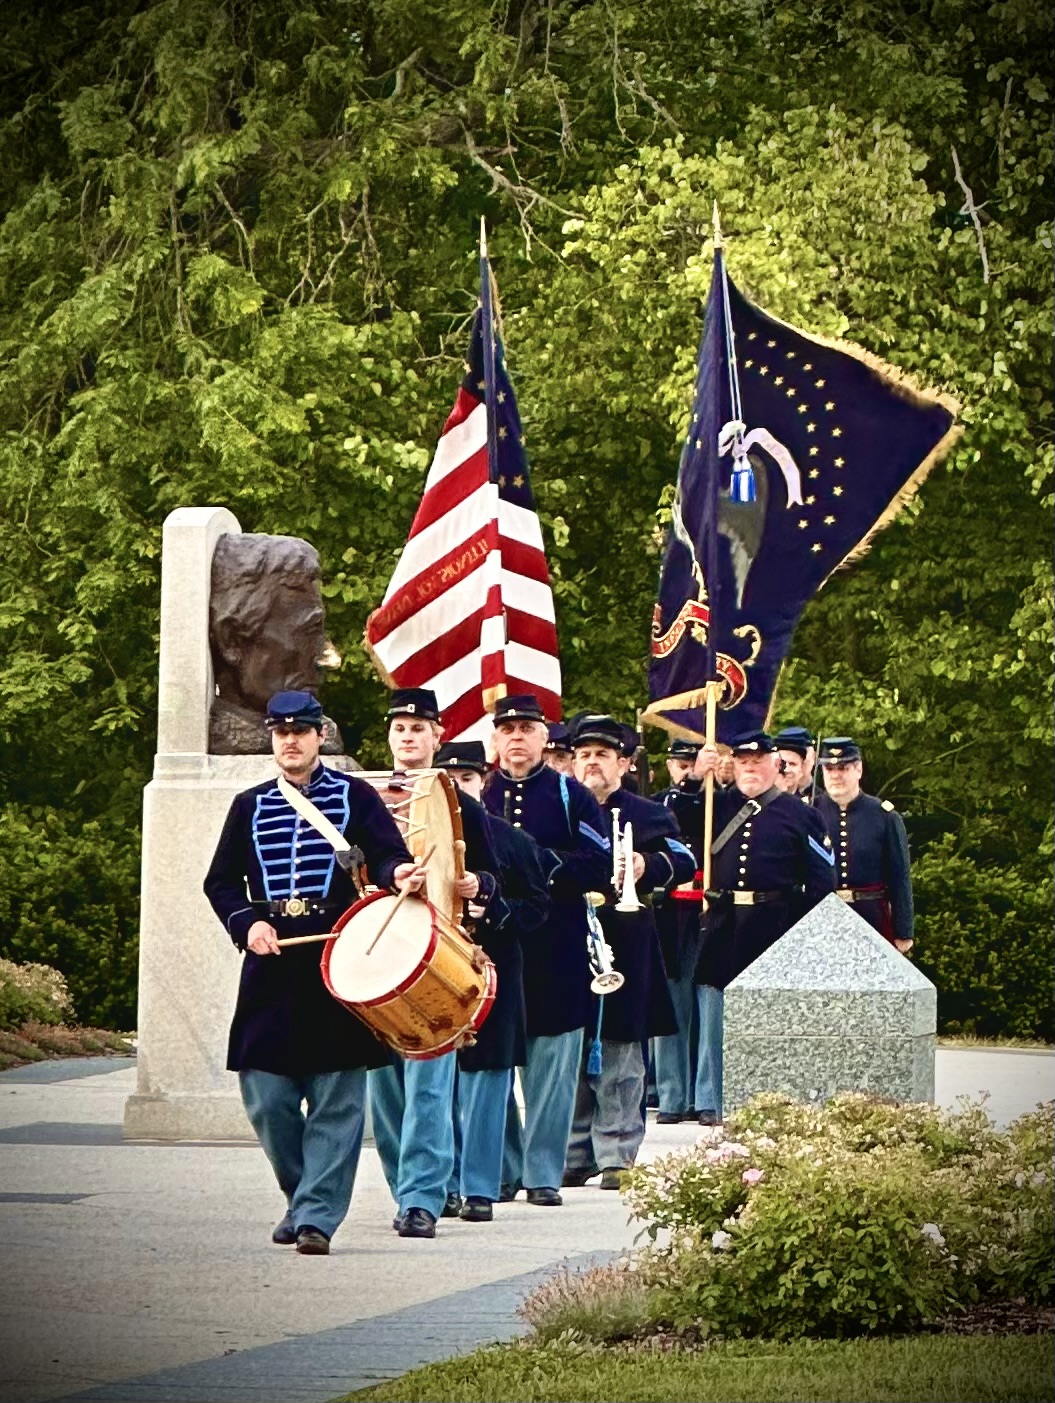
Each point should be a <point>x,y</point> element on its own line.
<point>717,226</point>
<point>483,236</point>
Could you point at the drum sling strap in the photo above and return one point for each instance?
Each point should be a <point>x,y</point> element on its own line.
<point>350,857</point>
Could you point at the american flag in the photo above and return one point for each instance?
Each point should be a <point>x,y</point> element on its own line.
<point>469,609</point>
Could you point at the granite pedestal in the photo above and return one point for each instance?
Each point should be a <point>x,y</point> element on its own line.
<point>831,1007</point>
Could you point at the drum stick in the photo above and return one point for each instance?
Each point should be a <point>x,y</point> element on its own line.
<point>303,939</point>
<point>398,903</point>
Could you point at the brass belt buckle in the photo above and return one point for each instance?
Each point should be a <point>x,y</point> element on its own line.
<point>296,906</point>
<point>743,898</point>
<point>845,893</point>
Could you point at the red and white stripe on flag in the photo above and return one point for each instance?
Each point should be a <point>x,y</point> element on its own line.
<point>469,609</point>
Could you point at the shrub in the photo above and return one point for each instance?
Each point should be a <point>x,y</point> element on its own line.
<point>860,1217</point>
<point>31,993</point>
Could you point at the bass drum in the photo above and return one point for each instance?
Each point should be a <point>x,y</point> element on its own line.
<point>424,804</point>
<point>410,975</point>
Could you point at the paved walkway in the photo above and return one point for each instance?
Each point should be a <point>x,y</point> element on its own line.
<point>144,1272</point>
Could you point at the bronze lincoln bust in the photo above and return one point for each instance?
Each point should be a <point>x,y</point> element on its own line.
<point>266,635</point>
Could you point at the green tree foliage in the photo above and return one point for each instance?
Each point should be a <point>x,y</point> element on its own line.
<point>237,246</point>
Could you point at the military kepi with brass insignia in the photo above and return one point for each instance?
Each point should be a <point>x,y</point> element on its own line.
<point>414,701</point>
<point>300,710</point>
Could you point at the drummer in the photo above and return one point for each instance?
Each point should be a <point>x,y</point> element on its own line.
<point>292,1044</point>
<point>412,1102</point>
<point>485,1070</point>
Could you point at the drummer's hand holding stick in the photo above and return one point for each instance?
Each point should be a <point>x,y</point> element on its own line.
<point>262,939</point>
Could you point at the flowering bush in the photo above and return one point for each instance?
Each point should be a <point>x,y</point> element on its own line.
<point>863,1216</point>
<point>31,993</point>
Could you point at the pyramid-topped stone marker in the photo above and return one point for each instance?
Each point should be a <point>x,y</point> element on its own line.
<point>831,1007</point>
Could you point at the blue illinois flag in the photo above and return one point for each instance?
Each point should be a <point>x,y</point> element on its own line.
<point>799,450</point>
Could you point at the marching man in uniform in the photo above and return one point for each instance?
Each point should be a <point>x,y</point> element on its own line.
<point>870,844</point>
<point>608,1129</point>
<point>564,819</point>
<point>291,1042</point>
<point>772,862</point>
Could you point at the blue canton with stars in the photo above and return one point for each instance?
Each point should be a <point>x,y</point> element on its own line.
<point>833,444</point>
<point>509,466</point>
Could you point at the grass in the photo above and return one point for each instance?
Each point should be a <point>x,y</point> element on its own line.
<point>34,1042</point>
<point>969,1040</point>
<point>924,1369</point>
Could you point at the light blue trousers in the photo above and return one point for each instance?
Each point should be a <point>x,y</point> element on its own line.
<point>480,1100</point>
<point>412,1109</point>
<point>607,1130</point>
<point>548,1080</point>
<point>676,1071</point>
<point>711,1004</point>
<point>314,1152</point>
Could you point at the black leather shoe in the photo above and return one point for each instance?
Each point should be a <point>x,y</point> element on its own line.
<point>417,1222</point>
<point>708,1118</point>
<point>544,1198</point>
<point>477,1210</point>
<point>508,1192</point>
<point>452,1207</point>
<point>312,1243</point>
<point>612,1178</point>
<point>397,1222</point>
<point>575,1178</point>
<point>670,1118</point>
<point>285,1233</point>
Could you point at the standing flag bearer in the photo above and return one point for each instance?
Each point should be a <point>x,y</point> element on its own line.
<point>468,612</point>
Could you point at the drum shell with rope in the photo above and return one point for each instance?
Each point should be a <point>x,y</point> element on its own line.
<point>424,804</point>
<point>422,988</point>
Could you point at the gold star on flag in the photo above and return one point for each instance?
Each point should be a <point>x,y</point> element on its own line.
<point>810,501</point>
<point>840,462</point>
<point>778,380</point>
<point>502,431</point>
<point>829,521</point>
<point>481,384</point>
<point>763,370</point>
<point>699,443</point>
<point>771,344</point>
<point>518,481</point>
<point>804,408</point>
<point>791,355</point>
<point>523,440</point>
<point>820,384</point>
<point>501,479</point>
<point>752,336</point>
<point>830,404</point>
<point>695,418</point>
<point>749,363</point>
<point>814,451</point>
<point>837,491</point>
<point>803,523</point>
<point>501,396</point>
<point>790,392</point>
<point>815,547</point>
<point>815,472</point>
<point>807,365</point>
<point>468,367</point>
<point>811,428</point>
<point>837,432</point>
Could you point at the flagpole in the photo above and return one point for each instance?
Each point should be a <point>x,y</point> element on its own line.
<point>713,686</point>
<point>487,331</point>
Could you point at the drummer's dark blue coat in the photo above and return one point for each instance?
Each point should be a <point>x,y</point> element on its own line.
<point>642,1007</point>
<point>576,858</point>
<point>285,1021</point>
<point>509,923</point>
<point>783,848</point>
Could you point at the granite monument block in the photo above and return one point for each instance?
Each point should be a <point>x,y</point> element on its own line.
<point>831,1007</point>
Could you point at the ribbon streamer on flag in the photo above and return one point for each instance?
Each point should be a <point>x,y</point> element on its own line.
<point>469,609</point>
<point>799,450</point>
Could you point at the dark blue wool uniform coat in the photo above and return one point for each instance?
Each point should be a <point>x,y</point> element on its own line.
<point>564,819</point>
<point>782,850</point>
<point>641,1008</point>
<point>285,1021</point>
<point>507,926</point>
<point>871,850</point>
<point>678,916</point>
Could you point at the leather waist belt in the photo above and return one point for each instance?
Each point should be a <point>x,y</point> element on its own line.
<point>751,898</point>
<point>875,892</point>
<point>298,906</point>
